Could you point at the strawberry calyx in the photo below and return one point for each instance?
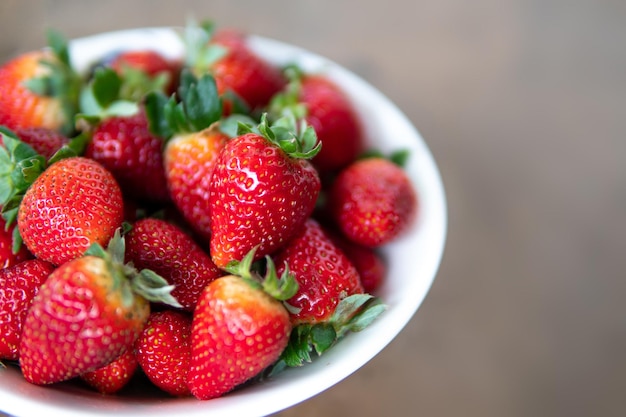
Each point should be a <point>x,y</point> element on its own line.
<point>353,314</point>
<point>145,282</point>
<point>60,80</point>
<point>200,53</point>
<point>281,288</point>
<point>103,97</point>
<point>197,107</point>
<point>288,100</point>
<point>291,134</point>
<point>398,157</point>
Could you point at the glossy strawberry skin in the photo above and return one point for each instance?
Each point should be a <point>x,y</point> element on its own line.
<point>18,286</point>
<point>75,202</point>
<point>260,196</point>
<point>333,117</point>
<point>324,273</point>
<point>81,319</point>
<point>163,351</point>
<point>7,257</point>
<point>125,146</point>
<point>189,162</point>
<point>114,376</point>
<point>20,107</point>
<point>237,331</point>
<point>242,71</point>
<point>373,201</point>
<point>170,252</point>
<point>369,263</point>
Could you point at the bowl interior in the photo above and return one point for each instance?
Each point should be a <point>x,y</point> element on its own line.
<point>413,259</point>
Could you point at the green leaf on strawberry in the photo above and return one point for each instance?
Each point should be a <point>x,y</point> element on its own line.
<point>353,314</point>
<point>198,108</point>
<point>102,98</point>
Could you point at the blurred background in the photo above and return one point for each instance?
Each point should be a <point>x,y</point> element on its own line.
<point>523,104</point>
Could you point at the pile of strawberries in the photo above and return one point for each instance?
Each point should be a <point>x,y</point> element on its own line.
<point>205,221</point>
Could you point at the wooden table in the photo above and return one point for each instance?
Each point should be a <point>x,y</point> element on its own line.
<point>523,104</point>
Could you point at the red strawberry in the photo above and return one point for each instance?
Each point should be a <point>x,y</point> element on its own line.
<point>149,63</point>
<point>193,145</point>
<point>87,313</point>
<point>324,274</point>
<point>114,376</point>
<point>238,329</point>
<point>263,191</point>
<point>39,89</point>
<point>327,108</point>
<point>125,146</point>
<point>372,201</point>
<point>239,72</point>
<point>75,202</point>
<point>8,256</point>
<point>369,263</point>
<point>18,286</point>
<point>143,71</point>
<point>167,250</point>
<point>163,351</point>
<point>44,141</point>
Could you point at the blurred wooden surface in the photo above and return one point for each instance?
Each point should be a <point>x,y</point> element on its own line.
<point>523,104</point>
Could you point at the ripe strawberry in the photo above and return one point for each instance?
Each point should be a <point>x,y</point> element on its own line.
<point>147,66</point>
<point>8,256</point>
<point>238,329</point>
<point>39,89</point>
<point>18,285</point>
<point>163,351</point>
<point>125,146</point>
<point>167,250</point>
<point>327,108</point>
<point>372,201</point>
<point>75,202</point>
<point>87,313</point>
<point>324,274</point>
<point>193,143</point>
<point>44,141</point>
<point>369,263</point>
<point>263,190</point>
<point>241,75</point>
<point>114,376</point>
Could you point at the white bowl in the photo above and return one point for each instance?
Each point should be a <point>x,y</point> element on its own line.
<point>413,261</point>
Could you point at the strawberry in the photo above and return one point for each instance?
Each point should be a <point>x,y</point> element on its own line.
<point>329,111</point>
<point>8,255</point>
<point>44,141</point>
<point>142,67</point>
<point>18,286</point>
<point>75,202</point>
<point>239,328</point>
<point>247,80</point>
<point>167,250</point>
<point>330,300</point>
<point>324,273</point>
<point>163,351</point>
<point>125,146</point>
<point>88,312</point>
<point>372,201</point>
<point>263,189</point>
<point>114,376</point>
<point>40,89</point>
<point>193,143</point>
<point>369,263</point>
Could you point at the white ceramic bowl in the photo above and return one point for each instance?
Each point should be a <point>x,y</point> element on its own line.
<point>413,261</point>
